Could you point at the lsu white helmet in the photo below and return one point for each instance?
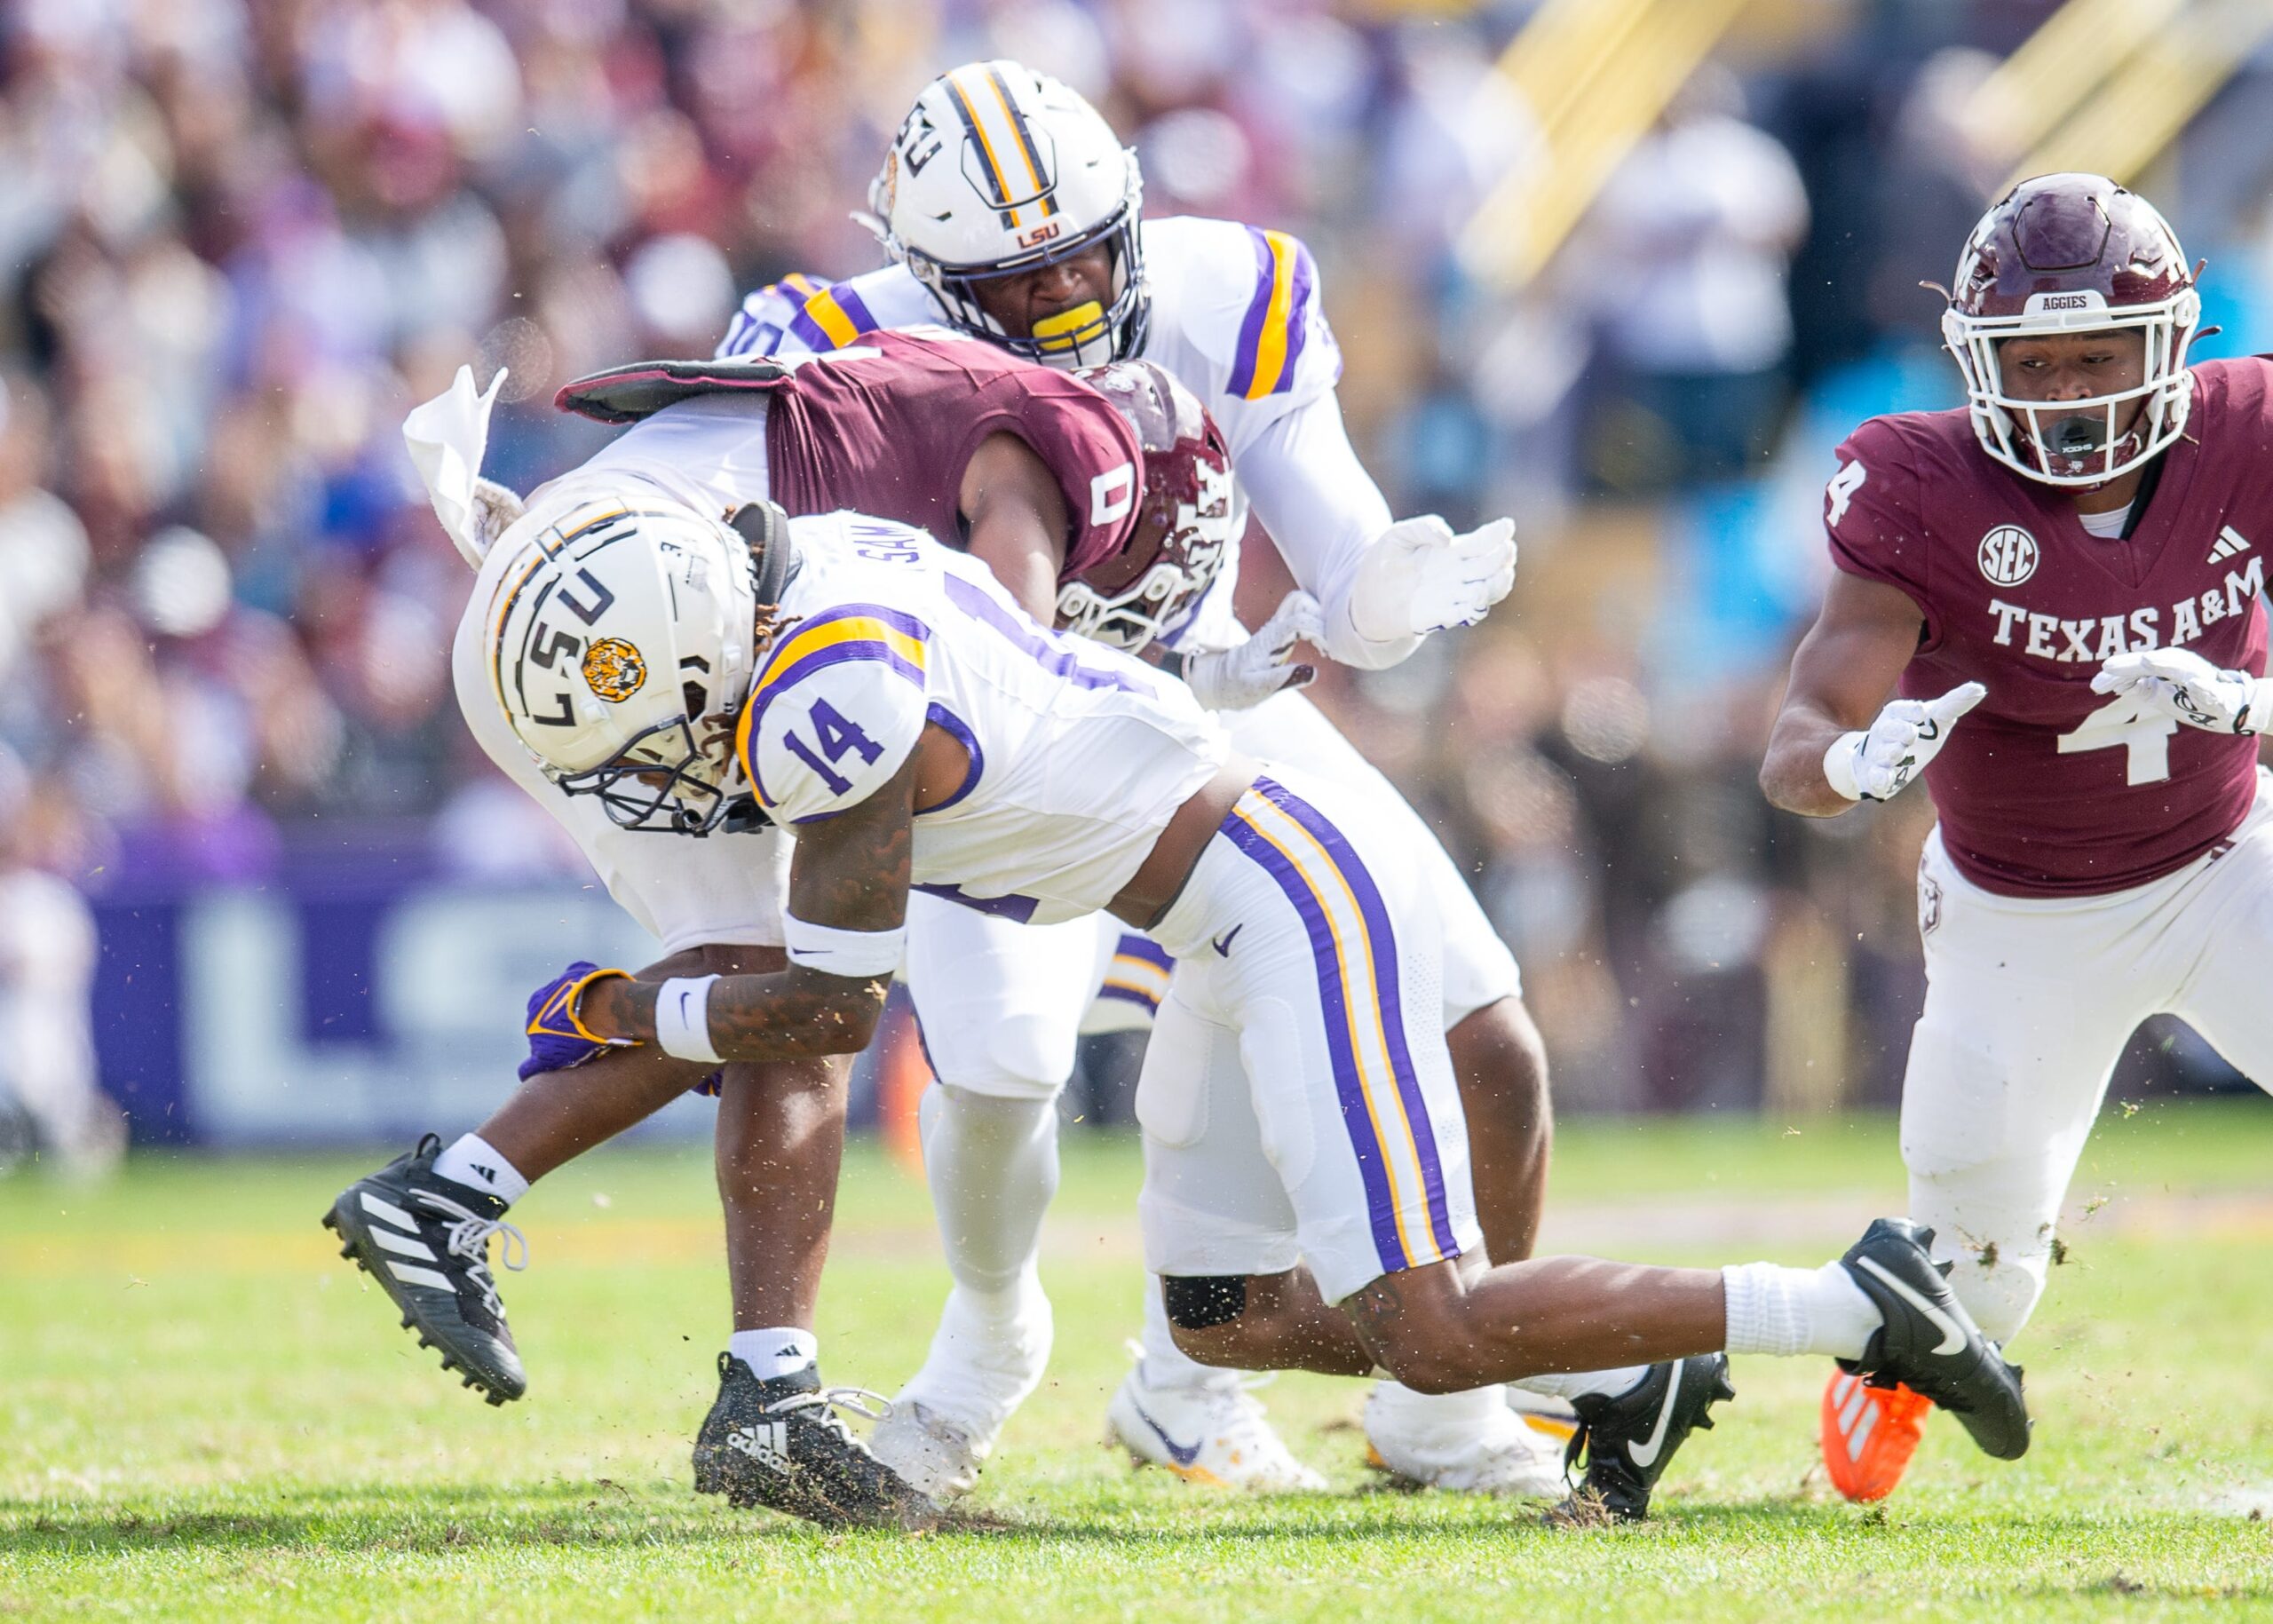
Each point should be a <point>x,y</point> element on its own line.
<point>622,645</point>
<point>1000,170</point>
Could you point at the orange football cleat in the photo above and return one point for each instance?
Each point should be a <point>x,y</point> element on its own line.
<point>1869,1433</point>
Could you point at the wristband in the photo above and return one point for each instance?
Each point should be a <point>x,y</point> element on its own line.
<point>1839,765</point>
<point>857,956</point>
<point>682,1018</point>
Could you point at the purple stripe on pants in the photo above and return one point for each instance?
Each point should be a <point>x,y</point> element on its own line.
<point>1387,983</point>
<point>1373,1162</point>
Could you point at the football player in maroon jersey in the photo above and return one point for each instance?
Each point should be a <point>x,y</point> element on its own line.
<point>2062,582</point>
<point>1111,500</point>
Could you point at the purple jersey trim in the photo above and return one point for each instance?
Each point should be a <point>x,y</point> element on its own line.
<point>1030,641</point>
<point>1249,352</point>
<point>1018,908</point>
<point>955,724</point>
<point>1251,325</point>
<point>1298,322</point>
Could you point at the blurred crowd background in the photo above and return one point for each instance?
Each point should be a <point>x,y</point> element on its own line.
<point>244,236</point>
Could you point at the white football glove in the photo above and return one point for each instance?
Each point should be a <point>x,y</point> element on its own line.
<point>1233,679</point>
<point>2181,684</point>
<point>1418,577</point>
<point>1877,764</point>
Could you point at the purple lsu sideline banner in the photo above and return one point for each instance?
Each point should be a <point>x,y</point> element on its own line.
<point>343,1003</point>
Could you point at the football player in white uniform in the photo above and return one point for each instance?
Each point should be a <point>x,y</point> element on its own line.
<point>978,442</point>
<point>1011,211</point>
<point>1307,1197</point>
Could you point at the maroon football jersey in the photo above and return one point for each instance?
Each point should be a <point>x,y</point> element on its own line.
<point>2046,788</point>
<point>886,426</point>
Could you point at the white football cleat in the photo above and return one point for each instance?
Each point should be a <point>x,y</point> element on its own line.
<point>935,1455</point>
<point>944,1423</point>
<point>1555,1417</point>
<point>1471,1442</point>
<point>1212,1432</point>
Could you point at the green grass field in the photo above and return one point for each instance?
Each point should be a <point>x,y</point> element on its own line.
<point>205,1413</point>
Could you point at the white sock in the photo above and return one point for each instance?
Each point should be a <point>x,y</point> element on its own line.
<point>1166,1365</point>
<point>1584,1384</point>
<point>474,1162</point>
<point>779,1350</point>
<point>1774,1310</point>
<point>993,1167</point>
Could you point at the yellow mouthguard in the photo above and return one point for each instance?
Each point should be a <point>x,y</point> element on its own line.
<point>1067,328</point>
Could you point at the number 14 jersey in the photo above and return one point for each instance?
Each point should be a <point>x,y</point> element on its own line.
<point>1078,755</point>
<point>2048,788</point>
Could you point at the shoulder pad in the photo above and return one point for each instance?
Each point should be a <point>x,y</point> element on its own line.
<point>626,395</point>
<point>836,712</point>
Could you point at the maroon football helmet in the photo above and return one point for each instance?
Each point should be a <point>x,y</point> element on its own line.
<point>2069,254</point>
<point>1184,517</point>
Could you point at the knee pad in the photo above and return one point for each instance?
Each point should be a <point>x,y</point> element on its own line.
<point>1195,1302</point>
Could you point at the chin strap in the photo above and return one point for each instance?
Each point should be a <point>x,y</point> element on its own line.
<point>773,552</point>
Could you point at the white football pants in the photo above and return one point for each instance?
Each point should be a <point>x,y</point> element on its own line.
<point>2029,1003</point>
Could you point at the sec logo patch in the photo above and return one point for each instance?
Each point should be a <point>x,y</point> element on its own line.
<point>2008,555</point>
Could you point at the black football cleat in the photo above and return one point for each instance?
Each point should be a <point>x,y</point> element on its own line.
<point>778,1443</point>
<point>1929,1343</point>
<point>1629,1439</point>
<point>425,1239</point>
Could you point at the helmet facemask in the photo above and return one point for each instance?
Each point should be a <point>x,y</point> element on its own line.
<point>2083,442</point>
<point>1089,335</point>
<point>1185,522</point>
<point>664,781</point>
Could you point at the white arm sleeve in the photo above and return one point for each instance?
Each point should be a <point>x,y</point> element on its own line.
<point>1323,510</point>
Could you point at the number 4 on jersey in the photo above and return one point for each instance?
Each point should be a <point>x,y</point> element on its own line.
<point>1842,489</point>
<point>2143,734</point>
<point>837,734</point>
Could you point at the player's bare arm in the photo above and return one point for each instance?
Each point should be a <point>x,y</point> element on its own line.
<point>1016,522</point>
<point>1843,672</point>
<point>850,875</point>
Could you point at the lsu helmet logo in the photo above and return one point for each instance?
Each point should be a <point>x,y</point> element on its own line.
<point>614,669</point>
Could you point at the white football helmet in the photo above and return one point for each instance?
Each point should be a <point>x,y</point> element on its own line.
<point>999,170</point>
<point>622,646</point>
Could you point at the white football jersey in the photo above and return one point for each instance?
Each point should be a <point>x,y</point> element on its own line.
<point>1078,754</point>
<point>1237,317</point>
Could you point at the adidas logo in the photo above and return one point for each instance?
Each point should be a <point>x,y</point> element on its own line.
<point>788,1353</point>
<point>2231,543</point>
<point>488,1173</point>
<point>766,1442</point>
<point>402,1255</point>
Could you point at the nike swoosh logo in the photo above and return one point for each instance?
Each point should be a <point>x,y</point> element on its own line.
<point>685,999</point>
<point>1184,1455</point>
<point>1646,1455</point>
<point>1952,1338</point>
<point>1222,943</point>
